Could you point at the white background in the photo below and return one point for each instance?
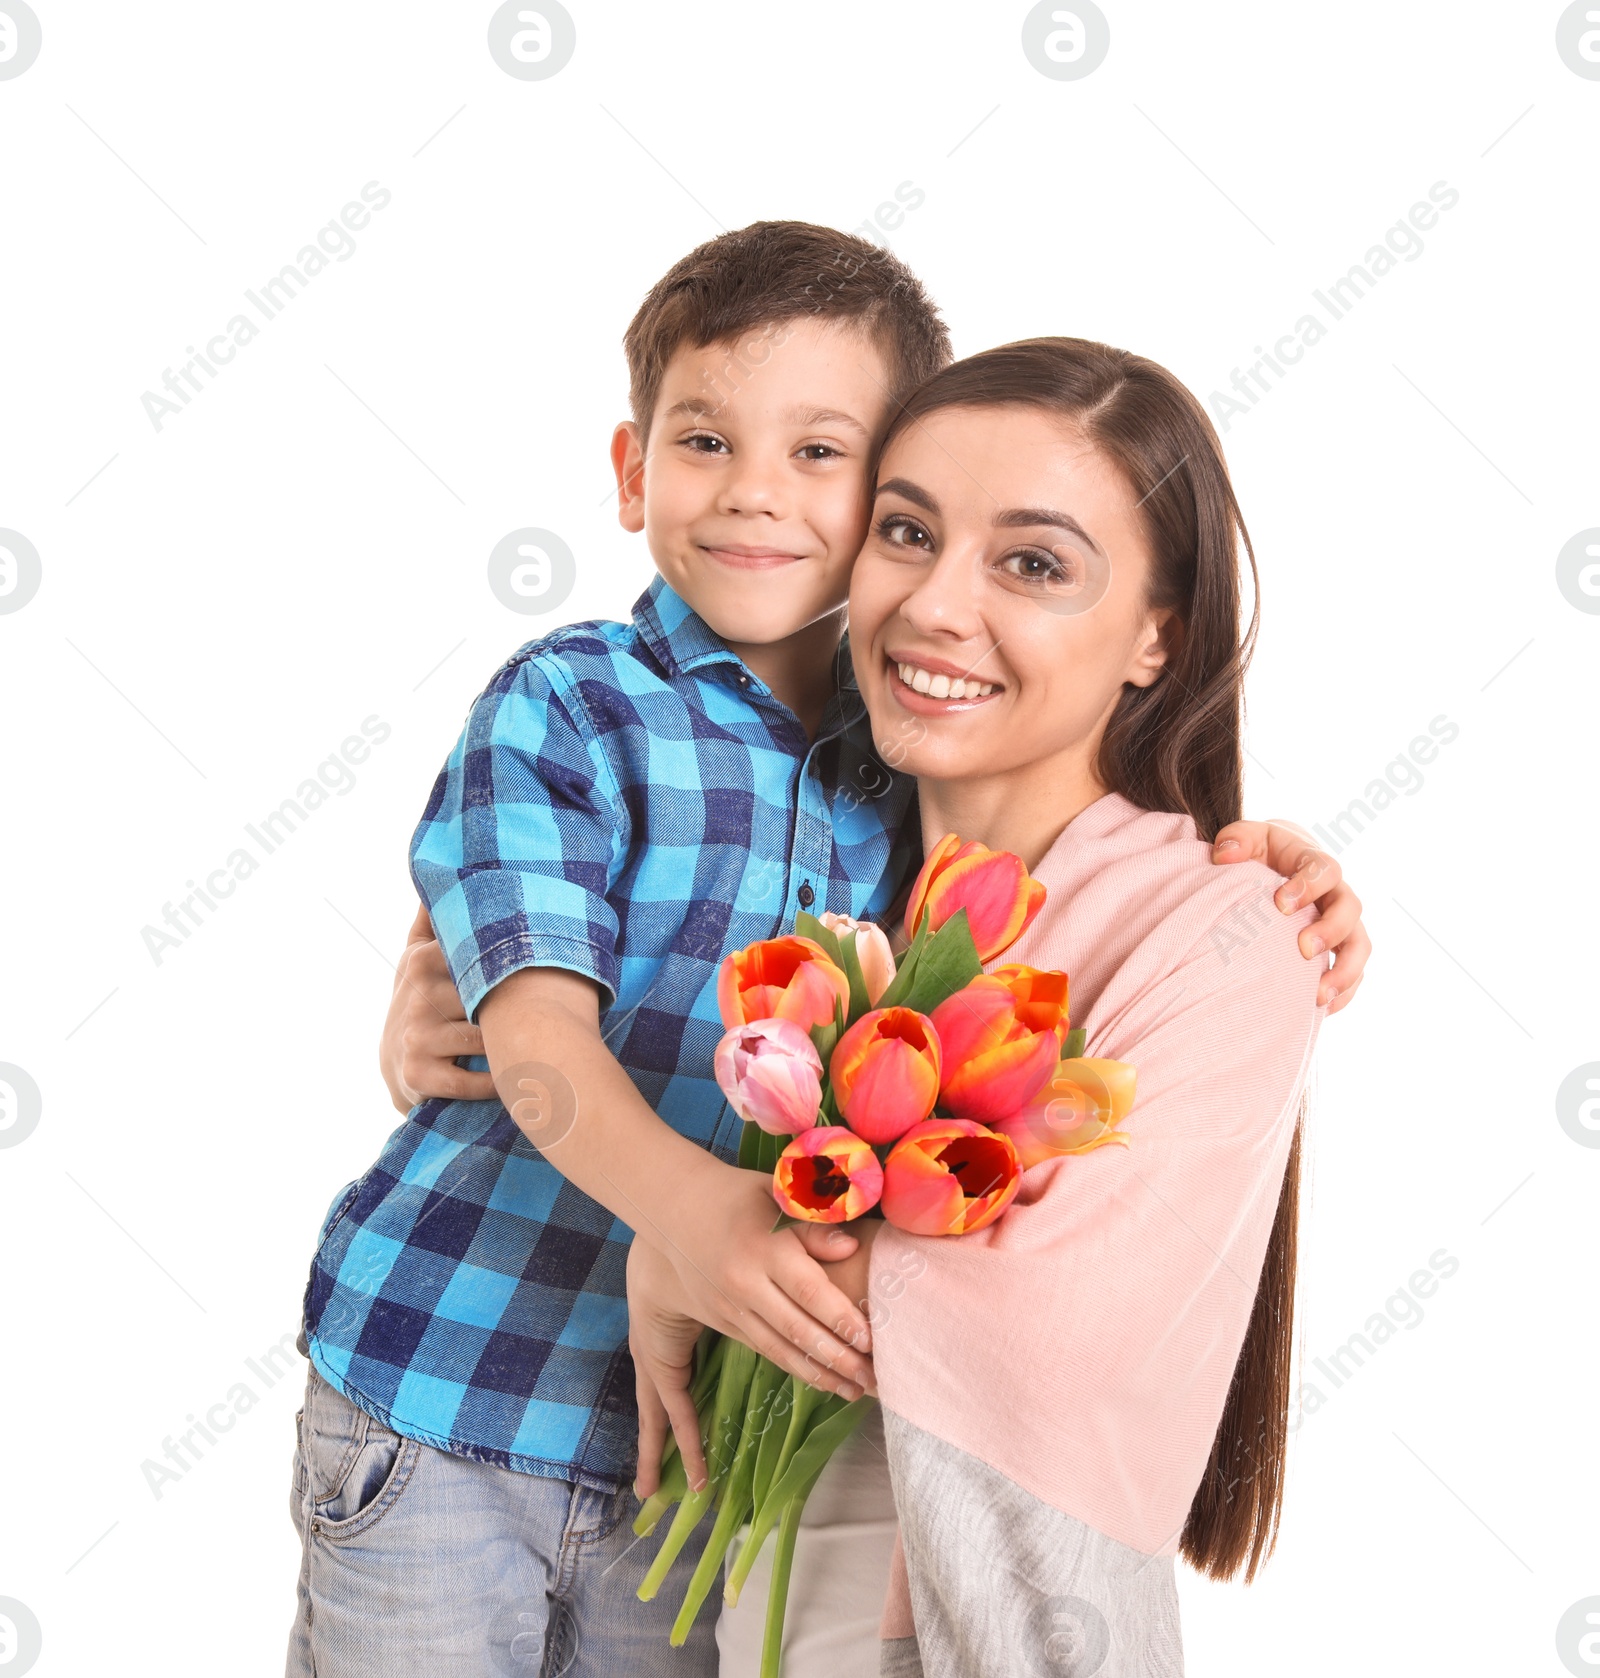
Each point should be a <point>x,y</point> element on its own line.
<point>232,594</point>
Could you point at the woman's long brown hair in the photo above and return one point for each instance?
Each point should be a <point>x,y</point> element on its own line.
<point>1176,745</point>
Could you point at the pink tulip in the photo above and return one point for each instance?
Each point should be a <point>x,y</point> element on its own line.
<point>872,951</point>
<point>771,1074</point>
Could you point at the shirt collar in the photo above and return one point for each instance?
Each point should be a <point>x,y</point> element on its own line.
<point>676,634</point>
<point>683,641</point>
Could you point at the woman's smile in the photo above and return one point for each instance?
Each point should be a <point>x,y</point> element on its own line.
<point>929,686</point>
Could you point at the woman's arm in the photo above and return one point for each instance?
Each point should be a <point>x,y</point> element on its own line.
<point>427,1028</point>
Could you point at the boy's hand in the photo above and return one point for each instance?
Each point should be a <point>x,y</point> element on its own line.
<point>427,1028</point>
<point>662,1336</point>
<point>712,1222</point>
<point>1313,875</point>
<point>736,1273</point>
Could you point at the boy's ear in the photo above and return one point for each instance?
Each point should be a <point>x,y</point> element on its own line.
<point>627,461</point>
<point>1158,646</point>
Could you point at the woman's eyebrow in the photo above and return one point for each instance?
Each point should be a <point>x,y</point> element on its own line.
<point>1023,517</point>
<point>908,491</point>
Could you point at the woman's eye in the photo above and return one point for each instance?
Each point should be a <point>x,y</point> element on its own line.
<point>902,532</point>
<point>1034,565</point>
<point>702,442</point>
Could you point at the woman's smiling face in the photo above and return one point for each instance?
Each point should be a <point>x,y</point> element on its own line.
<point>1000,603</point>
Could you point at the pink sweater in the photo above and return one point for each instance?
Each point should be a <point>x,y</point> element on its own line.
<point>1083,1345</point>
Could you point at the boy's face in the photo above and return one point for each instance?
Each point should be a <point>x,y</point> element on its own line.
<point>754,495</point>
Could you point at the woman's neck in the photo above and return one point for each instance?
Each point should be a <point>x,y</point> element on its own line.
<point>1023,811</point>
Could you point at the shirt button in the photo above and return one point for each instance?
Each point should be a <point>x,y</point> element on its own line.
<point>807,896</point>
<point>744,681</point>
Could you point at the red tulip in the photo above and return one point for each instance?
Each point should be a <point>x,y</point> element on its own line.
<point>1001,1036</point>
<point>827,1176</point>
<point>771,1073</point>
<point>1076,1112</point>
<point>949,1177</point>
<point>781,979</point>
<point>992,886</point>
<point>885,1072</point>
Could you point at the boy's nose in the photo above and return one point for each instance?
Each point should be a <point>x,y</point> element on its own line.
<point>753,487</point>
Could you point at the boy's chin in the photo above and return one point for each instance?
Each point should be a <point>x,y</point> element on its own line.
<point>759,613</point>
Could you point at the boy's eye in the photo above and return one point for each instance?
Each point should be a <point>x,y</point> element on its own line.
<point>819,451</point>
<point>899,530</point>
<point>702,442</point>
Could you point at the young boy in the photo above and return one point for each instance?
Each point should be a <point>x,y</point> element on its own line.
<point>627,803</point>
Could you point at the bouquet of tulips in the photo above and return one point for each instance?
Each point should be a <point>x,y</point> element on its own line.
<point>919,1092</point>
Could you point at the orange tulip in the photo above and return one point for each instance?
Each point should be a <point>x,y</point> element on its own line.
<point>949,1177</point>
<point>1001,1036</point>
<point>1076,1112</point>
<point>827,1175</point>
<point>885,1072</point>
<point>780,979</point>
<point>992,886</point>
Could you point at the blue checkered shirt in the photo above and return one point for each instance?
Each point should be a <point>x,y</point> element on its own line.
<point>628,802</point>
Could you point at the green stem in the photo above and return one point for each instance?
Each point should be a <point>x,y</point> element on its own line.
<point>735,1505</point>
<point>674,1483</point>
<point>687,1519</point>
<point>778,1592</point>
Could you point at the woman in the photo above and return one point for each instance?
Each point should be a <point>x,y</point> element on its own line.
<point>1054,519</point>
<point>1100,1379</point>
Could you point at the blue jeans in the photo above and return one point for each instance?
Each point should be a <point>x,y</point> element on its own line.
<point>414,1561</point>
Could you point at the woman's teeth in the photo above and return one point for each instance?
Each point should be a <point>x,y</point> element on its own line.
<point>943,687</point>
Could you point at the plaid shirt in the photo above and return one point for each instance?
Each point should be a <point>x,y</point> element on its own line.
<point>628,802</point>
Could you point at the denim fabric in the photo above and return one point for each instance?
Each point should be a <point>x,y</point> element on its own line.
<point>416,1562</point>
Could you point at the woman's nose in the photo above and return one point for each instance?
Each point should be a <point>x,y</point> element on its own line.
<point>945,601</point>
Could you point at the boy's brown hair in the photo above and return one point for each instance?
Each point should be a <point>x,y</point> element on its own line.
<point>776,271</point>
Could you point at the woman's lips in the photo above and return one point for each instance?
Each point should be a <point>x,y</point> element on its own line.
<point>929,704</point>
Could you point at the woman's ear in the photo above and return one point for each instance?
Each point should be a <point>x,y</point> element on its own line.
<point>1157,646</point>
<point>627,461</point>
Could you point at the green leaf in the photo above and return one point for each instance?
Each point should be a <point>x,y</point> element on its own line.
<point>1073,1047</point>
<point>823,1039</point>
<point>851,963</point>
<point>906,972</point>
<point>949,962</point>
<point>750,1147</point>
<point>808,926</point>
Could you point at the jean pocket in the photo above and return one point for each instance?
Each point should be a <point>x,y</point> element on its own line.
<point>356,1467</point>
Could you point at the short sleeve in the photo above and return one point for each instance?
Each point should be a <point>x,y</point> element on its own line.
<point>521,838</point>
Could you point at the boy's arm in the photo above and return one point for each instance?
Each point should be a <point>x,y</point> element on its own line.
<point>1312,875</point>
<point>712,1221</point>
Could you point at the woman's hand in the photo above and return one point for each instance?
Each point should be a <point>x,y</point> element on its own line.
<point>1312,875</point>
<point>665,1318</point>
<point>427,1028</point>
